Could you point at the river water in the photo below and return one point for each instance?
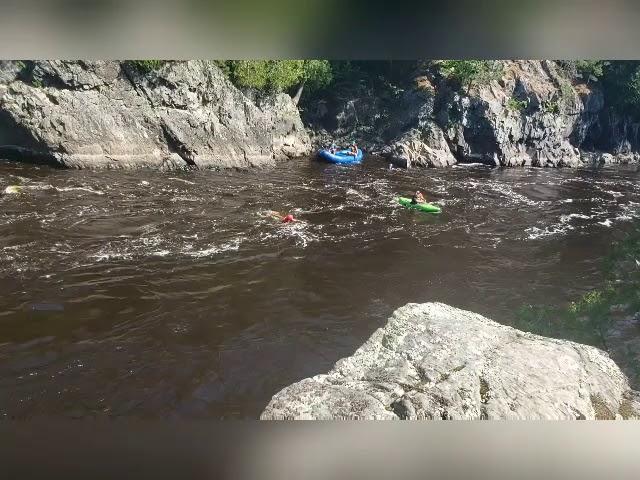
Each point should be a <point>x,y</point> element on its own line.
<point>157,294</point>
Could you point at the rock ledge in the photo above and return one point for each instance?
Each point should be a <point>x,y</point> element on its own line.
<point>433,361</point>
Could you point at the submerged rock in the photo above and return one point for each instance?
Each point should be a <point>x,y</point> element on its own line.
<point>108,114</point>
<point>434,361</point>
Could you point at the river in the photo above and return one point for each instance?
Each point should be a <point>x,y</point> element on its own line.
<point>174,294</point>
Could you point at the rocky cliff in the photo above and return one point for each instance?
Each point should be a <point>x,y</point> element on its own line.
<point>433,361</point>
<point>532,115</point>
<point>110,114</point>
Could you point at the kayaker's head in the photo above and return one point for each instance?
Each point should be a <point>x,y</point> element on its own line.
<point>288,219</point>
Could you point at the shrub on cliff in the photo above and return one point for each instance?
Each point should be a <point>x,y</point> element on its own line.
<point>278,75</point>
<point>587,70</point>
<point>517,105</point>
<point>470,72</point>
<point>590,69</point>
<point>620,81</point>
<point>586,319</point>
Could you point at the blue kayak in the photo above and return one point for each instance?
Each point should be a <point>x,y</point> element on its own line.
<point>342,156</point>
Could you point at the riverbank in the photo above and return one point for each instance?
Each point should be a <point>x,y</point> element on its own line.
<point>189,114</point>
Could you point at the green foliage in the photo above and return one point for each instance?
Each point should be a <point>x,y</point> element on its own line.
<point>317,73</point>
<point>277,75</point>
<point>551,106</point>
<point>590,70</point>
<point>540,319</point>
<point>36,82</point>
<point>586,319</point>
<point>622,267</point>
<point>621,85</point>
<point>587,70</point>
<point>250,73</point>
<point>593,303</point>
<point>577,322</point>
<point>620,81</point>
<point>517,105</point>
<point>566,91</point>
<point>146,66</point>
<point>283,74</point>
<point>471,72</point>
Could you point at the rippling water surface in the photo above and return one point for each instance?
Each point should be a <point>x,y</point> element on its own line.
<point>175,294</point>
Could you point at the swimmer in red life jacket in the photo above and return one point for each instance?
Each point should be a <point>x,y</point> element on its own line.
<point>279,216</point>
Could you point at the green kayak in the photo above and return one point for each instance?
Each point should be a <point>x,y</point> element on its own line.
<point>423,207</point>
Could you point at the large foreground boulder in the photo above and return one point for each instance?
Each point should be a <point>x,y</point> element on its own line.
<point>434,361</point>
<point>111,114</point>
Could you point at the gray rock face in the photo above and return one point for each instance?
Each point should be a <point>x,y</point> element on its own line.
<point>357,119</point>
<point>527,118</point>
<point>421,147</point>
<point>602,158</point>
<point>420,141</point>
<point>107,114</point>
<point>532,116</point>
<point>434,361</point>
<point>9,70</point>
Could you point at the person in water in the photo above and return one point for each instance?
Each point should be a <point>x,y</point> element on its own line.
<point>417,198</point>
<point>281,217</point>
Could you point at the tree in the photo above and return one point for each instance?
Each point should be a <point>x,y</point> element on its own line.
<point>590,70</point>
<point>621,85</point>
<point>470,72</point>
<point>249,73</point>
<point>279,75</point>
<point>315,73</point>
